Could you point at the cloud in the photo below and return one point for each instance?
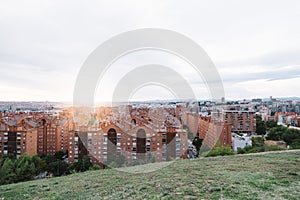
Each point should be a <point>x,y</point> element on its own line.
<point>270,74</point>
<point>44,43</point>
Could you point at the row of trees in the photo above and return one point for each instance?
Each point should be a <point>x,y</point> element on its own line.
<point>16,170</point>
<point>263,126</point>
<point>278,133</point>
<point>258,145</point>
<point>289,135</point>
<point>272,131</point>
<point>26,168</point>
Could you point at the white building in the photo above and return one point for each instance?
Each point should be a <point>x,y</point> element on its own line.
<point>240,141</point>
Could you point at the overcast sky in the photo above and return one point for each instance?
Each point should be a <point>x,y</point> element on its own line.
<point>255,45</point>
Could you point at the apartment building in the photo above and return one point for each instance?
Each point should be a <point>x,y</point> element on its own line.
<point>135,133</point>
<point>16,138</point>
<point>214,132</point>
<point>33,133</point>
<point>242,121</point>
<point>140,132</point>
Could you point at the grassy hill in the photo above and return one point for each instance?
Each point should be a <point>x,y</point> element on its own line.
<point>269,176</point>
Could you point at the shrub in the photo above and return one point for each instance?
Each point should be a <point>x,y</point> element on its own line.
<point>295,144</point>
<point>273,148</point>
<point>95,167</point>
<point>220,151</point>
<point>258,141</point>
<point>241,150</point>
<point>250,149</point>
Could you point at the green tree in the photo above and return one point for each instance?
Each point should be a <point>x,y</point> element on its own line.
<point>7,173</point>
<point>295,144</point>
<point>258,145</point>
<point>49,159</point>
<point>291,135</point>
<point>56,165</point>
<point>39,164</point>
<point>260,125</point>
<point>276,133</point>
<point>25,169</point>
<point>59,155</point>
<point>197,142</point>
<point>270,124</point>
<point>59,168</point>
<point>258,141</point>
<point>10,156</point>
<point>86,163</point>
<point>82,164</point>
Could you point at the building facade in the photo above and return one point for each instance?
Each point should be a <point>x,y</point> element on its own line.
<point>135,134</point>
<point>241,121</point>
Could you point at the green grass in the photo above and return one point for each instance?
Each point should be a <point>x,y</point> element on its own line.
<point>270,176</point>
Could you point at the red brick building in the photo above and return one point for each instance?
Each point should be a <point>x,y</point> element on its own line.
<point>134,133</point>
<point>34,133</point>
<point>241,121</point>
<point>214,132</point>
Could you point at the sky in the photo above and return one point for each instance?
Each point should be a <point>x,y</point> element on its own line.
<point>255,45</point>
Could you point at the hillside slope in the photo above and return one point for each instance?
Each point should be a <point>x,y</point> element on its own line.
<point>269,176</point>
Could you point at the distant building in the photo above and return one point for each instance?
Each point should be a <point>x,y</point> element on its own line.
<point>241,121</point>
<point>223,100</point>
<point>257,100</point>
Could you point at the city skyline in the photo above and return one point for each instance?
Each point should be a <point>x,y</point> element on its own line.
<point>254,45</point>
<point>149,99</point>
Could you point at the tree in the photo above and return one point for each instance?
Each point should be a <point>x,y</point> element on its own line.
<point>197,142</point>
<point>10,156</point>
<point>7,174</point>
<point>25,169</point>
<point>258,145</point>
<point>86,163</point>
<point>260,126</point>
<point>276,133</point>
<point>49,159</point>
<point>291,135</point>
<point>295,144</point>
<point>56,165</point>
<point>39,164</point>
<point>270,124</point>
<point>59,155</point>
<point>82,164</point>
<point>258,141</point>
<point>58,168</point>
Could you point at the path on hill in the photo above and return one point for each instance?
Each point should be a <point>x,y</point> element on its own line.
<point>271,152</point>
